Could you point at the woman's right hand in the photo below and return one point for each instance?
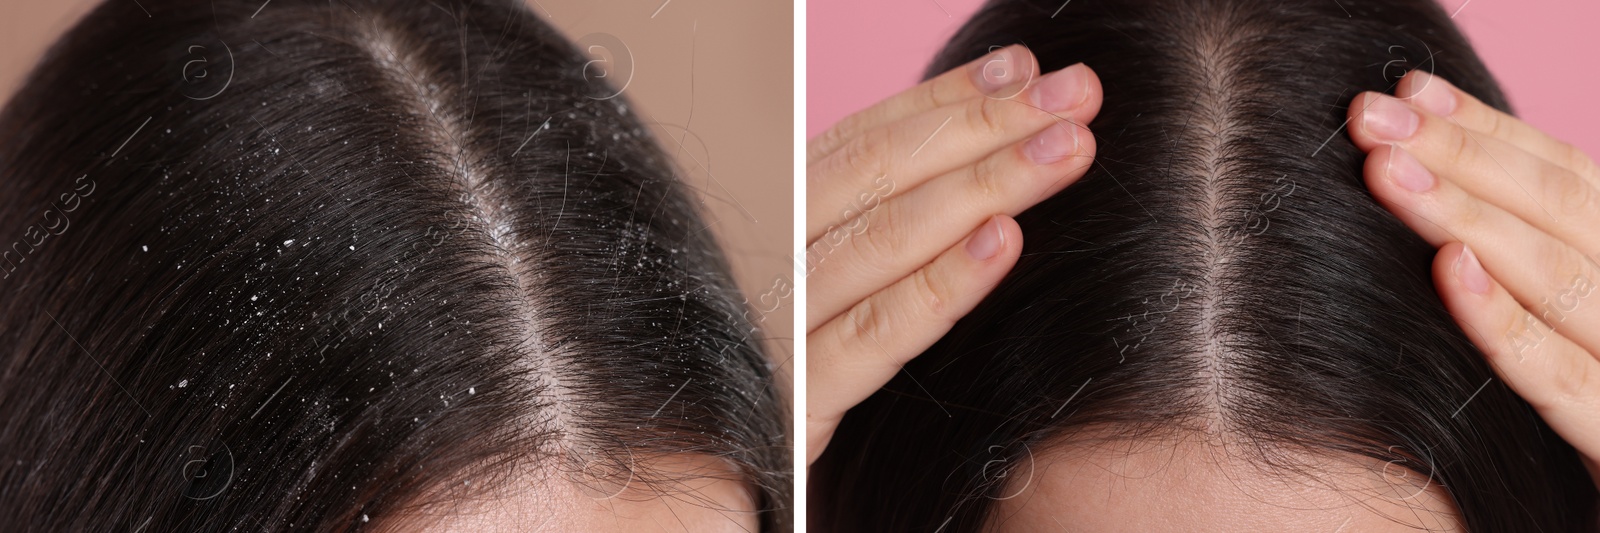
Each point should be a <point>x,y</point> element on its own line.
<point>908,214</point>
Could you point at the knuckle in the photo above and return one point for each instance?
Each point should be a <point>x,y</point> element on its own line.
<point>865,323</point>
<point>1564,381</point>
<point>931,292</point>
<point>988,178</point>
<point>928,97</point>
<point>1550,253</point>
<point>1580,162</point>
<point>1565,262</point>
<point>840,133</point>
<point>1499,126</point>
<point>1572,384</point>
<point>867,154</point>
<point>1575,196</point>
<point>1464,210</point>
<point>1461,149</point>
<point>988,116</point>
<point>882,237</point>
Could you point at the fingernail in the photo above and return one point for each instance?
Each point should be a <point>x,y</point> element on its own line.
<point>1470,272</point>
<point>997,70</point>
<point>986,241</point>
<point>1435,95</point>
<point>1053,144</point>
<point>1063,89</point>
<point>1407,172</point>
<point>1389,119</point>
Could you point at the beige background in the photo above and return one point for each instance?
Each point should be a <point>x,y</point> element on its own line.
<point>723,69</point>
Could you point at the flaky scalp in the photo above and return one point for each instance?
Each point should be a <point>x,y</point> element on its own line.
<point>407,250</point>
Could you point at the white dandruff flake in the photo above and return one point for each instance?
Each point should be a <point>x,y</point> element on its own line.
<point>182,384</point>
<point>472,390</point>
<point>288,242</point>
<point>145,248</point>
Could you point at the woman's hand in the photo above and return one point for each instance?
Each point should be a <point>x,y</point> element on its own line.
<point>908,214</point>
<point>1517,214</point>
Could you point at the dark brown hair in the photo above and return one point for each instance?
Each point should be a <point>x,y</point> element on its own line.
<point>307,265</point>
<point>1221,263</point>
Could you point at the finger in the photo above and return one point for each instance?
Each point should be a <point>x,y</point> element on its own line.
<point>1000,74</point>
<point>1441,98</point>
<point>908,152</point>
<point>901,234</point>
<point>855,354</point>
<point>1546,275</point>
<point>1557,377</point>
<point>1548,196</point>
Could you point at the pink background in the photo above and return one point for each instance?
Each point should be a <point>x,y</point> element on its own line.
<point>1543,53</point>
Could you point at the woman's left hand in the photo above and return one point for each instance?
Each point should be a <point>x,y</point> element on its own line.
<point>1516,214</point>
